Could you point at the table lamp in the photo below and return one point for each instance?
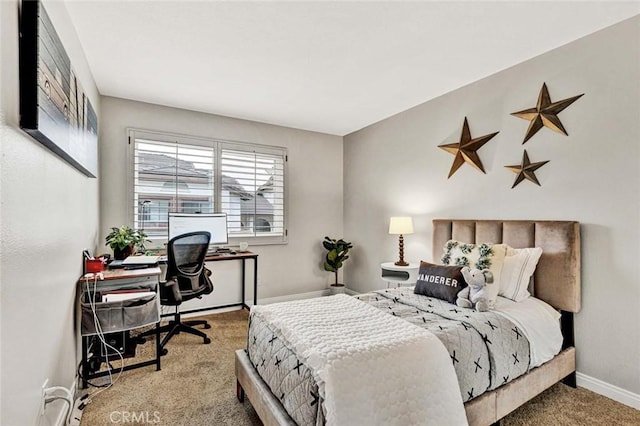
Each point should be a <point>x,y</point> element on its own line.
<point>401,226</point>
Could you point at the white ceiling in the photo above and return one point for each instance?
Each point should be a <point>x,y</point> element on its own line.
<point>331,67</point>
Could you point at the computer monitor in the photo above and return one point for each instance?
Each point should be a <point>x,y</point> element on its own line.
<point>215,223</point>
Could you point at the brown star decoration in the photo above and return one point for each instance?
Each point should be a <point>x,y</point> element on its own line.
<point>465,150</point>
<point>545,113</point>
<point>526,170</point>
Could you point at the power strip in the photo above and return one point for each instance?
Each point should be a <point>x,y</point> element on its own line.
<point>78,407</point>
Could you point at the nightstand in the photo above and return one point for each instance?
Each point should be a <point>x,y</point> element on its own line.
<point>399,275</point>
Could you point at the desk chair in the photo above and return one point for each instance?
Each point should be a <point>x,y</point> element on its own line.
<point>186,279</point>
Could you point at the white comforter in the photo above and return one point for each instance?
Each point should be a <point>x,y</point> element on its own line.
<point>371,368</point>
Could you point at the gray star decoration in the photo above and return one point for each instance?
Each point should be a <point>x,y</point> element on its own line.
<point>465,150</point>
<point>545,113</point>
<point>526,170</point>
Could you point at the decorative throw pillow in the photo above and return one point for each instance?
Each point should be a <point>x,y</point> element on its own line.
<point>519,266</point>
<point>439,281</point>
<point>480,256</point>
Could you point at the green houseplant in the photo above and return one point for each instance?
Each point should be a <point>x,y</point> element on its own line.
<point>124,241</point>
<point>337,253</point>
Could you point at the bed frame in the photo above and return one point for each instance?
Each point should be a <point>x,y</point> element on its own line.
<point>556,281</point>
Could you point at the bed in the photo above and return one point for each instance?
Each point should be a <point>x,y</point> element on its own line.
<point>556,282</point>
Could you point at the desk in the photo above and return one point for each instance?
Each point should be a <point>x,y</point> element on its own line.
<point>241,256</point>
<point>119,279</point>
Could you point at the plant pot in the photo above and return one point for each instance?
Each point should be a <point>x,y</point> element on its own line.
<point>336,289</point>
<point>122,254</point>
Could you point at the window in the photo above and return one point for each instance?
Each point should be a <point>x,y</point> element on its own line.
<point>191,175</point>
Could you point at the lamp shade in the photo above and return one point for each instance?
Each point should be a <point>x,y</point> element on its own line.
<point>400,225</point>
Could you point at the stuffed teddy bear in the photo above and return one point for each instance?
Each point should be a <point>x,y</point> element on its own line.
<point>475,294</point>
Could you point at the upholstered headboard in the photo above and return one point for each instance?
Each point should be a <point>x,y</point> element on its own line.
<point>557,276</point>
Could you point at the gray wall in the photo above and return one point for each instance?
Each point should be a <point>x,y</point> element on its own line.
<point>49,214</point>
<point>314,191</point>
<point>394,167</point>
<point>390,168</point>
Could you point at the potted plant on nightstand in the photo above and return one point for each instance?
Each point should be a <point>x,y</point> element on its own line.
<point>337,253</point>
<point>124,241</point>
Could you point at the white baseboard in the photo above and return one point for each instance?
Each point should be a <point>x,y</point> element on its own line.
<point>299,296</point>
<point>623,396</point>
<point>206,312</point>
<point>265,301</point>
<point>60,418</point>
<point>290,297</point>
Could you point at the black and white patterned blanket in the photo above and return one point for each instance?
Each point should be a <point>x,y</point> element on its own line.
<point>486,350</point>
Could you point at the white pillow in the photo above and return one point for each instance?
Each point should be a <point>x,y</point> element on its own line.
<point>517,269</point>
<point>480,256</point>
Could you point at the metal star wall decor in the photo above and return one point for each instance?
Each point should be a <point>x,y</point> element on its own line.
<point>545,113</point>
<point>526,170</point>
<point>465,150</point>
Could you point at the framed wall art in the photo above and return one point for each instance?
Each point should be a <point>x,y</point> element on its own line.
<point>53,106</point>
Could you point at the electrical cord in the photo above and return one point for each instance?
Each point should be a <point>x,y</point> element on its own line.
<point>68,398</point>
<point>81,375</point>
<point>105,345</point>
<point>98,327</point>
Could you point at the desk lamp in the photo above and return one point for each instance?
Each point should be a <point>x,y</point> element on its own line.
<point>401,226</point>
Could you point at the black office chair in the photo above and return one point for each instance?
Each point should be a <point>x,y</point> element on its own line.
<point>186,279</point>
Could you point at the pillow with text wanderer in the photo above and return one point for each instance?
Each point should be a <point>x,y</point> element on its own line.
<point>439,281</point>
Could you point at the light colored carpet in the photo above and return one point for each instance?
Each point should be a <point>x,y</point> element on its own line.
<point>197,386</point>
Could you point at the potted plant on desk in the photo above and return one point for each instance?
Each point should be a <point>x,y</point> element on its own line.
<point>337,251</point>
<point>124,241</point>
